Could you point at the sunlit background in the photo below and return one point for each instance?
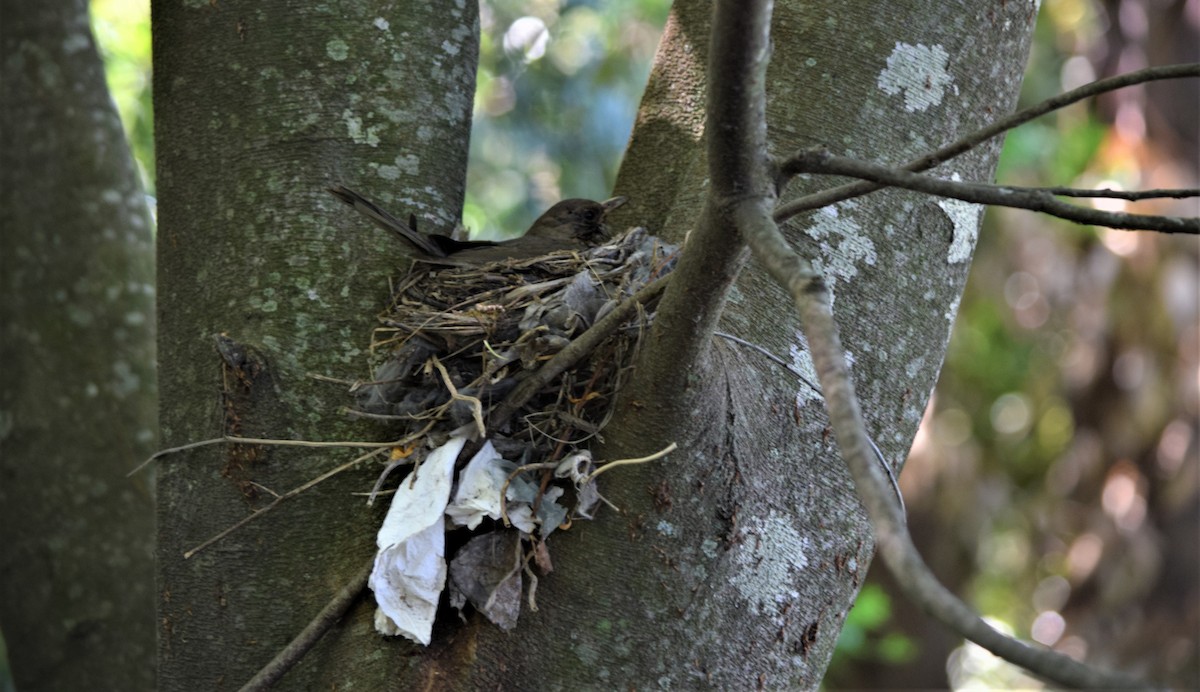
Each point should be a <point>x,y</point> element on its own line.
<point>1054,482</point>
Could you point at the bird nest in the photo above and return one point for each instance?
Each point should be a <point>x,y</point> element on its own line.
<point>498,374</point>
<point>456,341</point>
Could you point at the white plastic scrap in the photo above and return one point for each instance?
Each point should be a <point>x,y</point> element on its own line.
<point>479,488</point>
<point>579,468</point>
<point>521,516</point>
<point>410,567</point>
<point>550,513</point>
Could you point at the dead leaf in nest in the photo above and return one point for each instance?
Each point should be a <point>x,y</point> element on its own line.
<point>541,557</point>
<point>487,573</point>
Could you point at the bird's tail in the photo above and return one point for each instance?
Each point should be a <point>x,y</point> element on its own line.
<point>408,232</point>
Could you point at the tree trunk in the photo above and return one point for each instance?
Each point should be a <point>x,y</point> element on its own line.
<point>258,109</point>
<point>764,483</point>
<point>77,383</point>
<point>735,561</point>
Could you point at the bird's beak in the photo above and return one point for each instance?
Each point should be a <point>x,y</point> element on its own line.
<point>613,203</point>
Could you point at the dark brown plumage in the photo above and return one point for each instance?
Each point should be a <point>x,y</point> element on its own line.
<point>572,224</point>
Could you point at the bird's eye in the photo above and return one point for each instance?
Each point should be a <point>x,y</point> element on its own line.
<point>590,214</point>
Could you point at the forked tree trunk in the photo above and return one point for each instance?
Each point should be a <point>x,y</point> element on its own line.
<point>736,560</point>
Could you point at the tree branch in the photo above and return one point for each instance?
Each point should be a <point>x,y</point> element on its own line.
<point>1034,199</point>
<point>291,654</point>
<point>691,305</point>
<point>1128,195</point>
<point>576,351</point>
<point>843,192</point>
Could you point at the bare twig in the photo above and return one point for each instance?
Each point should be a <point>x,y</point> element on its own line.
<point>895,546</point>
<point>813,386</point>
<point>769,356</point>
<point>576,351</point>
<point>1129,195</point>
<point>281,499</point>
<point>475,404</point>
<point>624,462</point>
<point>1034,199</point>
<point>257,441</point>
<point>538,466</point>
<point>291,654</point>
<point>843,192</point>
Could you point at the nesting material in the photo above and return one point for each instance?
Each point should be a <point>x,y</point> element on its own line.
<point>490,326</point>
<point>454,343</point>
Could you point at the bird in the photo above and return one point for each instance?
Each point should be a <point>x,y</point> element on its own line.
<point>572,224</point>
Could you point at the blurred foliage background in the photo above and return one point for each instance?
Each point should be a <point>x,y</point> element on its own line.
<point>1055,480</point>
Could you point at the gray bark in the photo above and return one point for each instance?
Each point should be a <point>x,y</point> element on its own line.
<point>896,262</point>
<point>77,382</point>
<point>258,109</point>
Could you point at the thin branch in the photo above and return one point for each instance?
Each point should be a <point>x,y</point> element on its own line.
<point>813,386</point>
<point>625,462</point>
<point>771,357</point>
<point>895,546</point>
<point>843,192</point>
<point>690,310</point>
<point>281,499</point>
<point>475,404</point>
<point>1034,199</point>
<point>291,654</point>
<point>576,351</point>
<point>255,441</point>
<point>1128,195</point>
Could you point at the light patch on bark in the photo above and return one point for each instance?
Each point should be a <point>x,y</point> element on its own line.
<point>770,555</point>
<point>919,72</point>
<point>354,130</point>
<point>964,217</point>
<point>75,43</point>
<point>337,49</point>
<point>406,164</point>
<point>680,104</point>
<point>843,245</point>
<point>802,363</point>
<point>952,311</point>
<point>914,366</point>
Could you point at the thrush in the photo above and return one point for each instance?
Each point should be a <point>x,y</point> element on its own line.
<point>572,224</point>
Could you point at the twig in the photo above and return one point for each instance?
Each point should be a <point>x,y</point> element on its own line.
<point>1034,199</point>
<point>355,413</point>
<point>625,462</point>
<point>279,500</point>
<point>387,471</point>
<point>533,586</point>
<point>1130,195</point>
<point>334,380</point>
<point>576,351</point>
<point>291,654</point>
<point>475,403</point>
<point>255,441</point>
<point>813,386</point>
<point>843,192</point>
<point>771,357</point>
<point>543,465</point>
<point>895,546</point>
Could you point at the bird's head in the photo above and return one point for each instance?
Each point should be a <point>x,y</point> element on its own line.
<point>575,219</point>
